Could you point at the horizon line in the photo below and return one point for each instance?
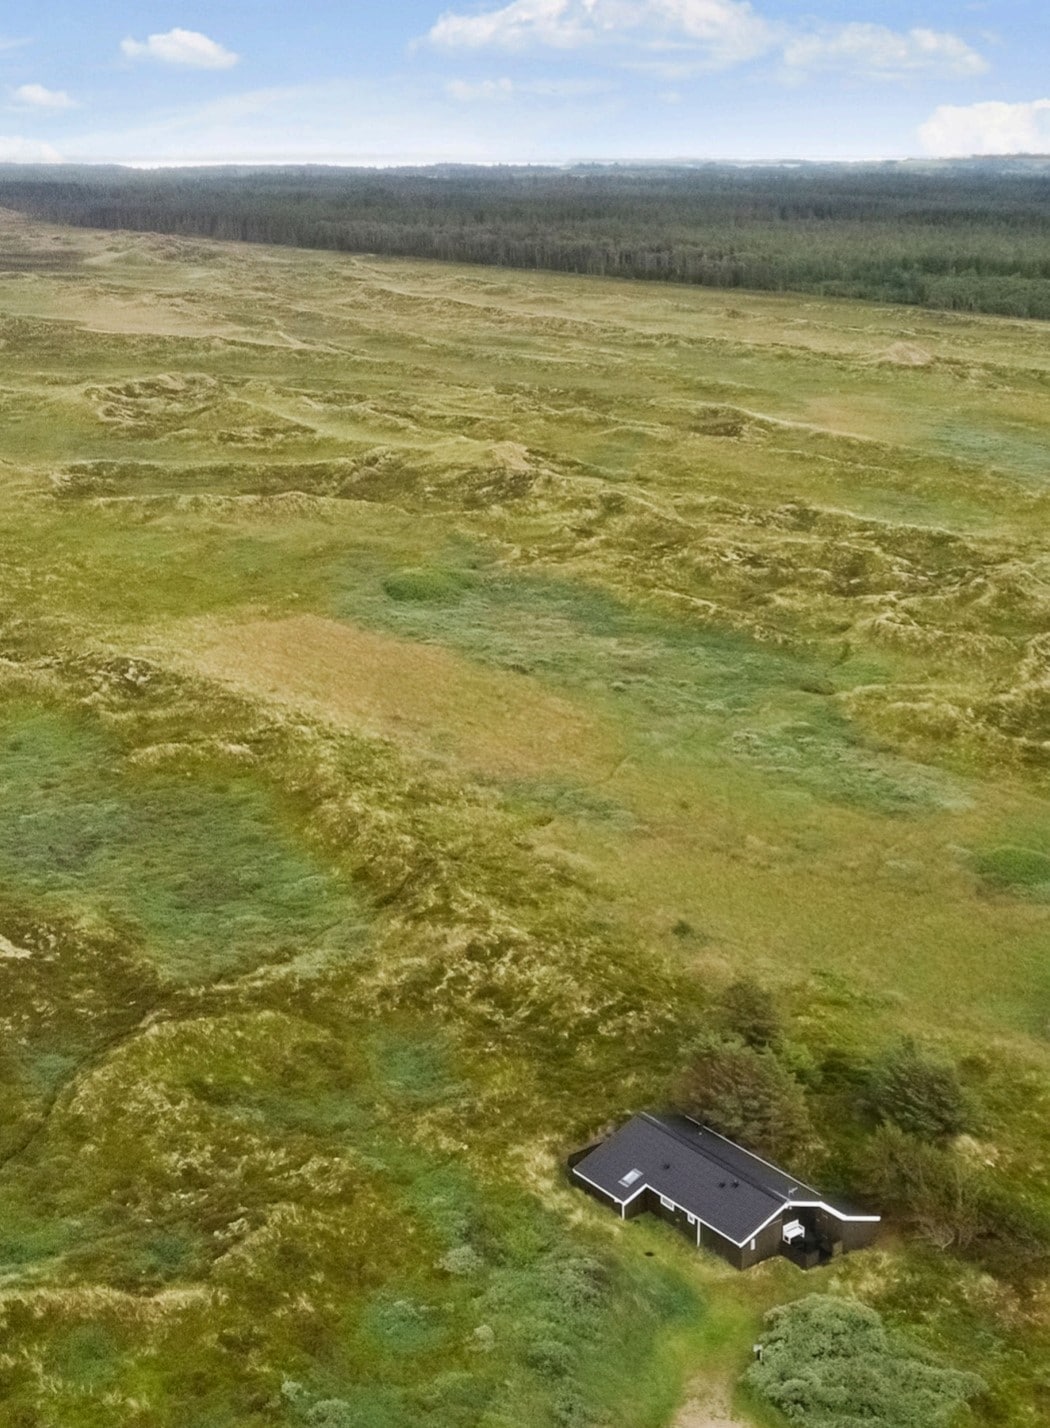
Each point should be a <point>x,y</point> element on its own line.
<point>399,163</point>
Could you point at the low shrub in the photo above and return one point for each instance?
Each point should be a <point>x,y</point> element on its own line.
<point>1014,869</point>
<point>427,584</point>
<point>830,1363</point>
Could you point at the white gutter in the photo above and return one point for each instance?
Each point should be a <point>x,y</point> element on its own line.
<point>787,1205</point>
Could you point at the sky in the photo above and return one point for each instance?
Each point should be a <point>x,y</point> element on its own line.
<point>160,82</point>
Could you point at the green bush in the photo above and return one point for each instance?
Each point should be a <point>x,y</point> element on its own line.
<point>750,1096</point>
<point>551,1358</point>
<point>427,584</point>
<point>1013,869</point>
<point>830,1363</point>
<point>918,1092</point>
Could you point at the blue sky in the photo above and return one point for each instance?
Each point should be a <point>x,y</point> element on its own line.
<point>238,81</point>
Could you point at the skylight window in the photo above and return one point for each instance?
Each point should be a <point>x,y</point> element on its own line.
<point>630,1177</point>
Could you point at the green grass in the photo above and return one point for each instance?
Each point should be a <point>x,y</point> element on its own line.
<point>699,695</point>
<point>1012,869</point>
<point>305,1003</point>
<point>201,869</point>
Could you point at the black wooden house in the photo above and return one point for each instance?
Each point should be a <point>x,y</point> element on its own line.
<point>721,1196</point>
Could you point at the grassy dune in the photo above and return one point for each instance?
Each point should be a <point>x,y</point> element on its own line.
<point>421,688</point>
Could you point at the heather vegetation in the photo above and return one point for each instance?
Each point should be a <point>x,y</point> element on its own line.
<point>443,712</point>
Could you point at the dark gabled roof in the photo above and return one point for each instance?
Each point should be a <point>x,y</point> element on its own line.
<point>725,1186</point>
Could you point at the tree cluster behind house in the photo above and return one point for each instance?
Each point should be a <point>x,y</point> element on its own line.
<point>894,1131</point>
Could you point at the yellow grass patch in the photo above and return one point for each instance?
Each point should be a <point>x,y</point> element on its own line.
<point>494,723</point>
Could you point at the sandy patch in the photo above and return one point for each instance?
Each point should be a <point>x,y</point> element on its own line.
<point>708,1407</point>
<point>495,723</point>
<point>907,354</point>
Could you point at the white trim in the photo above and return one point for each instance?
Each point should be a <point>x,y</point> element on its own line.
<point>763,1225</point>
<point>839,1214</point>
<point>600,1188</point>
<point>670,1203</point>
<point>814,1205</point>
<point>739,1244</point>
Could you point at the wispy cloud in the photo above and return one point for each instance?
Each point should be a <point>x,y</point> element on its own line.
<point>373,121</point>
<point>36,96</point>
<point>181,47</point>
<point>883,53</point>
<point>993,127</point>
<point>470,91</point>
<point>16,150</point>
<point>683,37</point>
<point>726,31</point>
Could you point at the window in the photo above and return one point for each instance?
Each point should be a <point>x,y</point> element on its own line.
<point>667,1204</point>
<point>691,1218</point>
<point>630,1177</point>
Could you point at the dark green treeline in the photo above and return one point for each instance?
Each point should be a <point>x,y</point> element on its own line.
<point>972,236</point>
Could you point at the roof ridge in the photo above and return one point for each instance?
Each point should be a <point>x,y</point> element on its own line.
<point>730,1170</point>
<point>753,1155</point>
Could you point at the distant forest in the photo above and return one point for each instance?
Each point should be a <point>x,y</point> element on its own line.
<point>973,236</point>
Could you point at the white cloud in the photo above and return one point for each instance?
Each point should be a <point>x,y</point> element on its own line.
<point>883,53</point>
<point>693,35</point>
<point>561,23</point>
<point>35,96</point>
<point>183,47</point>
<point>956,131</point>
<point>466,92</point>
<point>27,151</point>
<point>729,30</point>
<point>469,91</point>
<point>726,31</point>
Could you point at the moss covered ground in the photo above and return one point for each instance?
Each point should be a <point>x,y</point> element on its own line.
<point>421,689</point>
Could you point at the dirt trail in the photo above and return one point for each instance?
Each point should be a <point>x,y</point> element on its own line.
<point>708,1407</point>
